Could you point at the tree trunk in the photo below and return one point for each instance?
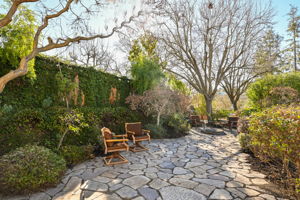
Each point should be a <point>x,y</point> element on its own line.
<point>234,105</point>
<point>62,139</point>
<point>158,119</point>
<point>20,71</point>
<point>208,102</point>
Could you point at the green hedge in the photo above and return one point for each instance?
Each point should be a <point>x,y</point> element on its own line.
<point>260,89</point>
<point>96,86</point>
<point>43,127</point>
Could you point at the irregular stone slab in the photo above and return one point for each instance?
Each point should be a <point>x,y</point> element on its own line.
<point>139,198</point>
<point>91,195</point>
<point>40,196</point>
<point>234,184</point>
<point>110,174</point>
<point>204,189</point>
<point>228,174</point>
<point>148,193</point>
<point>259,181</point>
<point>151,170</point>
<point>236,193</point>
<point>216,183</point>
<point>136,181</point>
<point>136,172</point>
<point>73,183</point>
<point>127,192</point>
<point>183,183</point>
<point>178,193</point>
<point>198,170</point>
<point>158,183</point>
<point>220,194</point>
<point>180,170</point>
<point>219,177</point>
<point>101,179</point>
<point>267,196</point>
<point>249,192</point>
<point>137,166</point>
<point>94,186</point>
<point>164,176</point>
<point>53,191</point>
<point>167,165</point>
<point>115,187</point>
<point>242,179</point>
<point>193,164</point>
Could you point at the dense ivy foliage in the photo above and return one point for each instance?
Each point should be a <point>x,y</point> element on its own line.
<point>30,168</point>
<point>260,89</point>
<point>94,87</point>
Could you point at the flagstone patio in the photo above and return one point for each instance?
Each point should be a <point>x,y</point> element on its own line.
<point>198,166</point>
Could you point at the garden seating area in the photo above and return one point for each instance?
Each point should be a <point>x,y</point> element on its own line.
<point>197,166</point>
<point>149,100</point>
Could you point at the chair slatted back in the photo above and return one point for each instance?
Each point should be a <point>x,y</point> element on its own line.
<point>135,127</point>
<point>107,135</point>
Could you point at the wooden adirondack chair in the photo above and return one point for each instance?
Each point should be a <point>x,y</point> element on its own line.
<point>135,133</point>
<point>114,144</point>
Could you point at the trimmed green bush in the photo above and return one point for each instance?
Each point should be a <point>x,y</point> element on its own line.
<point>30,168</point>
<point>260,89</point>
<point>176,125</point>
<point>156,131</point>
<point>76,154</point>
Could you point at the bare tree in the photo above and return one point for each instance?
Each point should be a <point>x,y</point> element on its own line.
<point>206,38</point>
<point>77,13</point>
<point>239,77</point>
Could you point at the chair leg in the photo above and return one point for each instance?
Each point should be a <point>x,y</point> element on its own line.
<point>137,147</point>
<point>116,155</point>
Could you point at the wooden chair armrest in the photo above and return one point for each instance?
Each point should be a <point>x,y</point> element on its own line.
<point>131,132</point>
<point>117,140</point>
<point>145,130</point>
<point>119,135</point>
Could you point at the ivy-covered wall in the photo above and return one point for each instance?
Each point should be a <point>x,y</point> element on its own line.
<point>96,86</point>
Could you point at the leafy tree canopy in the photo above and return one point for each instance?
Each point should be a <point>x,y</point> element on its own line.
<point>146,68</point>
<point>17,40</point>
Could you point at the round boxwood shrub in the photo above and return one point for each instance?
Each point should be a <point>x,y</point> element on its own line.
<point>30,168</point>
<point>75,154</point>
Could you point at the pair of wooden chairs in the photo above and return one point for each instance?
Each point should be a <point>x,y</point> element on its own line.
<point>114,144</point>
<point>197,120</point>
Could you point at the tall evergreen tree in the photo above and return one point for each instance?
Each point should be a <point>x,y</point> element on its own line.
<point>268,53</point>
<point>294,32</point>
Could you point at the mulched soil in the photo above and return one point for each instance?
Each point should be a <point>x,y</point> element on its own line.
<point>274,173</point>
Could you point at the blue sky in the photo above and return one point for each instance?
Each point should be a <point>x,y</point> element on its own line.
<point>281,8</point>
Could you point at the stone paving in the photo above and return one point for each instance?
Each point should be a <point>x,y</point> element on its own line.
<point>194,167</point>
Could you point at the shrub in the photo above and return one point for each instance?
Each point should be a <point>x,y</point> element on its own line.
<point>244,140</point>
<point>281,95</point>
<point>76,154</point>
<point>23,127</point>
<point>44,127</point>
<point>243,125</point>
<point>275,135</point>
<point>156,131</point>
<point>260,89</point>
<point>176,125</point>
<point>30,168</point>
<point>219,114</point>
